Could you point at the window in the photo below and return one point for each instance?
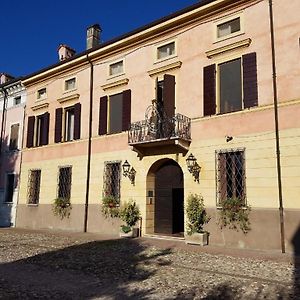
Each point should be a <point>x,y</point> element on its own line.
<point>14,137</point>
<point>42,93</point>
<point>70,84</point>
<point>64,182</point>
<point>116,68</point>
<point>230,168</point>
<point>34,182</point>
<point>166,51</point>
<point>38,130</point>
<point>115,113</point>
<point>17,101</point>
<point>9,188</point>
<point>111,180</point>
<point>229,27</point>
<point>69,124</point>
<point>230,86</point>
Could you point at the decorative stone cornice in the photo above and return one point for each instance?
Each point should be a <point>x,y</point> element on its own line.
<point>164,69</point>
<point>40,106</point>
<point>240,44</point>
<point>68,98</point>
<point>115,84</point>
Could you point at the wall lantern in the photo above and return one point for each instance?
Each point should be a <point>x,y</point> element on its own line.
<point>193,166</point>
<point>129,172</point>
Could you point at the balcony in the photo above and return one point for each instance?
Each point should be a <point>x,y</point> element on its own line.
<point>160,134</point>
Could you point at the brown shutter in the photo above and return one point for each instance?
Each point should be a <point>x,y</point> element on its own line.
<point>30,131</point>
<point>58,125</point>
<point>250,80</point>
<point>126,119</point>
<point>209,90</point>
<point>103,116</point>
<point>169,95</point>
<point>45,129</point>
<point>77,121</point>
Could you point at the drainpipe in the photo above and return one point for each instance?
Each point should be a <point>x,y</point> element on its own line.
<point>88,168</point>
<point>2,122</point>
<point>276,119</point>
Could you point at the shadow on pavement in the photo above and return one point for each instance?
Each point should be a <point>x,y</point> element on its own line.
<point>108,269</point>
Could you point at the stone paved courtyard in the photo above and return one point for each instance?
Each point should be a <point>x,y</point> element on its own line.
<point>49,265</point>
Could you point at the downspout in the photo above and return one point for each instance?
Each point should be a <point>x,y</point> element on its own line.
<point>276,119</point>
<point>3,120</point>
<point>88,168</point>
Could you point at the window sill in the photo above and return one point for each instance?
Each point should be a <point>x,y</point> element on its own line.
<point>229,36</point>
<point>32,205</point>
<point>110,77</point>
<point>69,91</point>
<point>165,59</point>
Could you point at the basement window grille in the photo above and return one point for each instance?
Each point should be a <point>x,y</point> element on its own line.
<point>64,182</point>
<point>34,183</point>
<point>230,175</point>
<point>111,179</point>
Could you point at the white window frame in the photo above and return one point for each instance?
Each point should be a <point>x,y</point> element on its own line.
<point>39,96</point>
<point>65,123</point>
<point>225,20</point>
<point>113,63</point>
<point>65,83</point>
<point>17,97</point>
<point>157,60</point>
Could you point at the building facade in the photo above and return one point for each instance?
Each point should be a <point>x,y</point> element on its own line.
<point>12,105</point>
<point>199,82</point>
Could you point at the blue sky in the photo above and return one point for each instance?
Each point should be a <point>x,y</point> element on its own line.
<point>32,30</point>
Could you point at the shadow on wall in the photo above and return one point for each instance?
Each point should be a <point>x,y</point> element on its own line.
<point>109,269</point>
<point>7,165</point>
<point>296,246</point>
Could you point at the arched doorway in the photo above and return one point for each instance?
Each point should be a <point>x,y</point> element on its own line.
<point>165,198</point>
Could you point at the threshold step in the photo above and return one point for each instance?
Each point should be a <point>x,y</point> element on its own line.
<point>164,237</point>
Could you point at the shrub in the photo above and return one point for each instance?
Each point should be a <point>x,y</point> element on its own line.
<point>196,214</point>
<point>62,207</point>
<point>234,214</point>
<point>110,206</point>
<point>129,213</point>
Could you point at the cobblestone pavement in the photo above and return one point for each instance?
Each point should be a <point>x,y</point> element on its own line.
<point>45,265</point>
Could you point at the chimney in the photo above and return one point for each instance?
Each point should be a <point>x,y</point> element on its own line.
<point>65,52</point>
<point>93,36</point>
<point>4,78</point>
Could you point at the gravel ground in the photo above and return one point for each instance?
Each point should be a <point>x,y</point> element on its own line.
<point>46,265</point>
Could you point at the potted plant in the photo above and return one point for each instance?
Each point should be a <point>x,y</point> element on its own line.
<point>234,214</point>
<point>62,207</point>
<point>196,218</point>
<point>110,206</point>
<point>130,214</point>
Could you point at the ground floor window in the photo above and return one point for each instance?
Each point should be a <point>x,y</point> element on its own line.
<point>9,187</point>
<point>34,182</point>
<point>111,179</point>
<point>230,175</point>
<point>64,182</point>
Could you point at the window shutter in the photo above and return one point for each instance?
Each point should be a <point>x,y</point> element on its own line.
<point>250,80</point>
<point>126,110</point>
<point>169,95</point>
<point>103,116</point>
<point>30,131</point>
<point>58,125</point>
<point>45,129</point>
<point>209,90</point>
<point>77,121</point>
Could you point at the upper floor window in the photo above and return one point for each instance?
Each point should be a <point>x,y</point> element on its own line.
<point>38,130</point>
<point>70,84</point>
<point>14,137</point>
<point>67,123</point>
<point>229,27</point>
<point>115,113</point>
<point>17,100</point>
<point>230,86</point>
<point>42,93</point>
<point>166,51</point>
<point>34,183</point>
<point>116,68</point>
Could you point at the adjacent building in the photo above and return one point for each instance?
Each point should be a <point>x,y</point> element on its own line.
<point>198,87</point>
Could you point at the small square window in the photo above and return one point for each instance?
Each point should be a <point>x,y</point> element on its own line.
<point>166,51</point>
<point>116,68</point>
<point>42,93</point>
<point>228,28</point>
<point>17,100</point>
<point>70,84</point>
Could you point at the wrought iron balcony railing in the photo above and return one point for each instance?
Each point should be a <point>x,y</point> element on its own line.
<point>160,128</point>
